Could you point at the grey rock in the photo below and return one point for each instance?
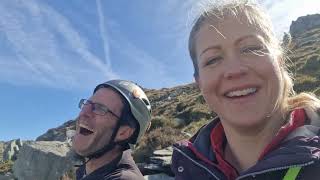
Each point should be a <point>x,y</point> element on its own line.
<point>59,133</point>
<point>158,177</point>
<point>7,177</point>
<point>180,121</point>
<point>159,163</point>
<point>163,161</point>
<point>304,23</point>
<point>162,157</point>
<point>43,160</point>
<point>163,152</point>
<point>2,146</point>
<point>12,149</point>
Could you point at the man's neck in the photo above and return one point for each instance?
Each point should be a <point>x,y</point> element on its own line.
<point>96,163</point>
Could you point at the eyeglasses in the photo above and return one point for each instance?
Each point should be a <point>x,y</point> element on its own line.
<point>96,108</point>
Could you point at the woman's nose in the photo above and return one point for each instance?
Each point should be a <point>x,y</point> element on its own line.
<point>235,69</point>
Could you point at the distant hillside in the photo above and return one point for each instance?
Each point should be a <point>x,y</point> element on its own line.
<point>304,52</point>
<point>2,147</point>
<point>178,112</point>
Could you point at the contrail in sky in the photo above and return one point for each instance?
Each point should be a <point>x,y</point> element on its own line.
<point>103,33</point>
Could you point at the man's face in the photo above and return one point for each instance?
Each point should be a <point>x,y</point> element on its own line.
<point>94,131</point>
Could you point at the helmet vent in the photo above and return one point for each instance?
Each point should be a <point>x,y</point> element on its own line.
<point>145,101</point>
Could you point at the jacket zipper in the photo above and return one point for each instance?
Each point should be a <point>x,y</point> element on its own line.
<point>274,169</point>
<point>195,162</point>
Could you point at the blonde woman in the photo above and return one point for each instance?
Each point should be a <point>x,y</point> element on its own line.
<point>263,130</point>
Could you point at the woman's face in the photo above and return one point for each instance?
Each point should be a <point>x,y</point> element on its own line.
<point>238,76</point>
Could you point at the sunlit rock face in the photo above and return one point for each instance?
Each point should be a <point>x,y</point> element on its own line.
<point>60,133</point>
<point>44,160</point>
<point>304,23</point>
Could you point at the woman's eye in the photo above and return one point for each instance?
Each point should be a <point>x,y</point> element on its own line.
<point>213,60</point>
<point>257,50</point>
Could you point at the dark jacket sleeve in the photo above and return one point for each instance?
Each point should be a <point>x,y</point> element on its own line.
<point>311,172</point>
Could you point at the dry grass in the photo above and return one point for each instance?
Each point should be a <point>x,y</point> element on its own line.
<point>5,167</point>
<point>158,138</point>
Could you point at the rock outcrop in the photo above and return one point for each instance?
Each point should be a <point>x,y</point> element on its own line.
<point>59,133</point>
<point>158,164</point>
<point>304,23</point>
<point>158,177</point>
<point>43,160</point>
<point>12,149</point>
<point>7,177</point>
<point>2,146</point>
<point>304,53</point>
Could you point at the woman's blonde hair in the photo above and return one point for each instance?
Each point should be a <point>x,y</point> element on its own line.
<point>215,11</point>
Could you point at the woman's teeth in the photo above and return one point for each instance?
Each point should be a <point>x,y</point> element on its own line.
<point>242,92</point>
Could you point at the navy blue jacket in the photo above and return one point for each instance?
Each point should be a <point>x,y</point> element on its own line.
<point>121,168</point>
<point>301,148</point>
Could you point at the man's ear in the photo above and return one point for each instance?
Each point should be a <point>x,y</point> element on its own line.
<point>124,133</point>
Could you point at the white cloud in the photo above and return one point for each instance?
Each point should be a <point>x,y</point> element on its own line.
<point>285,11</point>
<point>45,49</point>
<point>138,65</point>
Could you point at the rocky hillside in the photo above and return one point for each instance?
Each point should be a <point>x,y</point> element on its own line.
<point>304,53</point>
<point>178,112</point>
<point>2,147</point>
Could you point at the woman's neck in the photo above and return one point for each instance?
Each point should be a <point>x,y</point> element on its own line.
<point>244,148</point>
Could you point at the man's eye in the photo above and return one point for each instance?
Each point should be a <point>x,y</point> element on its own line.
<point>102,108</point>
<point>96,107</point>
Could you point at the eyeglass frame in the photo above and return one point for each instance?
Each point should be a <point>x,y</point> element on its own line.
<point>103,108</point>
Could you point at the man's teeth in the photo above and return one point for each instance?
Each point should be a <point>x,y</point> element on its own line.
<point>241,92</point>
<point>84,130</point>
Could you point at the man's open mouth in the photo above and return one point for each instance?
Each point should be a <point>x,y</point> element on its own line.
<point>84,131</point>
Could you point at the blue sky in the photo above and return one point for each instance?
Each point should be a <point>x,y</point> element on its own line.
<point>53,53</point>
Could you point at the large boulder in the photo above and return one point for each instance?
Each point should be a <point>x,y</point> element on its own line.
<point>7,177</point>
<point>158,177</point>
<point>158,164</point>
<point>43,160</point>
<point>58,133</point>
<point>12,149</point>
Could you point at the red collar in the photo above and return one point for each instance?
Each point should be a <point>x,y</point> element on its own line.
<point>217,138</point>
